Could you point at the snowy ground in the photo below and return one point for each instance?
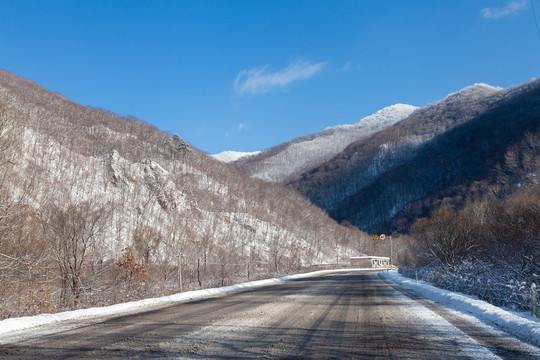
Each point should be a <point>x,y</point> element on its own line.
<point>521,325</point>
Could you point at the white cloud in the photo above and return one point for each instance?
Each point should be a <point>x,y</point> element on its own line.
<point>351,66</point>
<point>511,8</point>
<point>347,66</point>
<point>260,80</point>
<point>241,126</point>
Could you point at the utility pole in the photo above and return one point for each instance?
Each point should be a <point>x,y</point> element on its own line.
<point>391,261</point>
<point>199,272</point>
<point>204,267</point>
<point>179,269</point>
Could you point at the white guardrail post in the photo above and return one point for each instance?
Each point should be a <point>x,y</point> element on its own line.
<point>533,299</point>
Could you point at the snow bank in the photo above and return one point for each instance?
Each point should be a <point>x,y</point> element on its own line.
<point>520,325</point>
<point>103,313</point>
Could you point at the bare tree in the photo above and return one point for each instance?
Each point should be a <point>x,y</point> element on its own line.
<point>446,236</point>
<point>72,229</point>
<point>146,240</point>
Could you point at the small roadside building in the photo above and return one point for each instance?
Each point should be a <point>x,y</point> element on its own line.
<point>369,262</point>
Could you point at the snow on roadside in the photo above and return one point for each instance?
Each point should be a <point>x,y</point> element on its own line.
<point>520,325</point>
<point>29,323</point>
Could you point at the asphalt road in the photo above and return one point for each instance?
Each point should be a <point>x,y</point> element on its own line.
<point>338,316</point>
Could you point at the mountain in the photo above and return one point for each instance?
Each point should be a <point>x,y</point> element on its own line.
<point>447,151</point>
<point>279,163</point>
<point>97,208</point>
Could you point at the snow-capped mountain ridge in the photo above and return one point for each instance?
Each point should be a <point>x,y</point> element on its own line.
<point>278,163</point>
<point>383,118</point>
<point>230,155</point>
<point>472,89</point>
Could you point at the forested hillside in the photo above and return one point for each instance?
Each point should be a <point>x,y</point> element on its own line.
<point>488,245</point>
<point>446,151</point>
<point>97,208</point>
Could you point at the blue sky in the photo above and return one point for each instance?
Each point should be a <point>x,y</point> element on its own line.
<point>247,75</point>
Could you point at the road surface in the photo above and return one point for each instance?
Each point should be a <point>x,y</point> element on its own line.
<point>353,315</point>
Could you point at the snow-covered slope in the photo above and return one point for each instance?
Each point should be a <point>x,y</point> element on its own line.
<point>278,163</point>
<point>141,173</point>
<point>230,156</point>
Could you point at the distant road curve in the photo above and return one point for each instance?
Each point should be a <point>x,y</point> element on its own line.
<point>346,315</point>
